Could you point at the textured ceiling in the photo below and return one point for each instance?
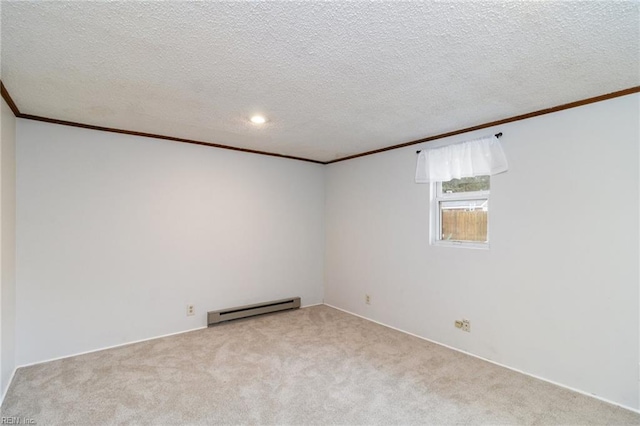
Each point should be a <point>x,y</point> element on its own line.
<point>333,79</point>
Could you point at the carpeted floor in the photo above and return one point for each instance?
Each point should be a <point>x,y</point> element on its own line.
<point>315,365</point>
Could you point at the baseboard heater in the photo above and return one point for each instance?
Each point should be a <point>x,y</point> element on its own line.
<point>214,317</point>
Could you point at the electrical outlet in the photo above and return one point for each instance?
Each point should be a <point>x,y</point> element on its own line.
<point>458,323</point>
<point>191,310</point>
<point>466,325</point>
<point>367,299</point>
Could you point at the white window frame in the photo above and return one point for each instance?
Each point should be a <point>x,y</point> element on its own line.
<point>435,229</point>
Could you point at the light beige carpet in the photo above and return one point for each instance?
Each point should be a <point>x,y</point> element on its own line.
<point>311,366</point>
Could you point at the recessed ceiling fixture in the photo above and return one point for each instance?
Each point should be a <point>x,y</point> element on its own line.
<point>258,119</point>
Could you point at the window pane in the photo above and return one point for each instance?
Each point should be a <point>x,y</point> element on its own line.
<point>464,220</point>
<point>478,183</point>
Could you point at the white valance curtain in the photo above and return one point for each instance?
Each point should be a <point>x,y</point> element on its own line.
<point>478,157</point>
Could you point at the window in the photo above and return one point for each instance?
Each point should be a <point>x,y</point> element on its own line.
<point>460,212</point>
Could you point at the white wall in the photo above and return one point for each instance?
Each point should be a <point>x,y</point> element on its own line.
<point>8,245</point>
<point>117,234</point>
<point>555,296</point>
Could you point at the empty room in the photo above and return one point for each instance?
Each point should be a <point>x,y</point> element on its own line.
<point>320,213</point>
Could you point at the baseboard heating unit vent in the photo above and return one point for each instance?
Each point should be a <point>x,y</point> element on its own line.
<point>214,317</point>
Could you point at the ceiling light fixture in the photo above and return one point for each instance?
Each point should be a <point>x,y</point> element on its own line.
<point>258,119</point>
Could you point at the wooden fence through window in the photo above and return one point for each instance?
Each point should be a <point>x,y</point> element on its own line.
<point>464,225</point>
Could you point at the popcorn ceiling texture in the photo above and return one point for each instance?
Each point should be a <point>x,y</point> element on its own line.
<point>334,79</point>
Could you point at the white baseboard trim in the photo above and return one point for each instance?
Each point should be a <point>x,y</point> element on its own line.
<point>112,347</point>
<point>122,344</point>
<point>5,390</point>
<point>350,313</point>
<point>490,361</point>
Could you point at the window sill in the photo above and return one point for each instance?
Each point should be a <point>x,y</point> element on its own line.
<point>461,244</point>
